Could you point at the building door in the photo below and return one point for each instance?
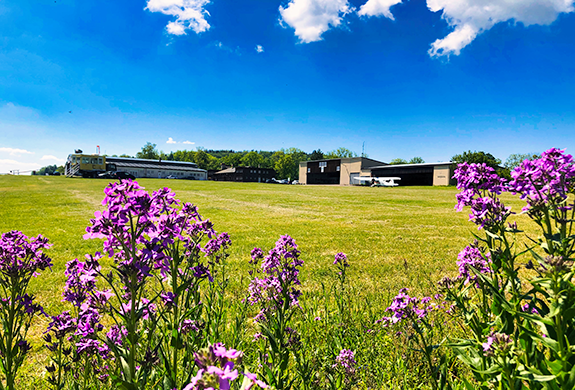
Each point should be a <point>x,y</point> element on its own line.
<point>352,178</point>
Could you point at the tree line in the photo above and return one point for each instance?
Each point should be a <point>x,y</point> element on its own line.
<point>284,161</point>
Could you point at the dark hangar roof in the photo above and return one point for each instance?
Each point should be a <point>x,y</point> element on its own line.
<point>153,164</point>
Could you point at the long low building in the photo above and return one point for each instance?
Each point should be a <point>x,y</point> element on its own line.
<point>427,174</point>
<point>245,174</point>
<point>91,165</point>
<point>156,168</point>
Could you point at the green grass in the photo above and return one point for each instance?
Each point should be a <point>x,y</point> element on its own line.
<point>394,237</point>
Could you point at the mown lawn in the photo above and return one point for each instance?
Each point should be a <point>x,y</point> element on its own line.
<point>394,237</point>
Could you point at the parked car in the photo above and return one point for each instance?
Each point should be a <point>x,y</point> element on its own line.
<point>116,175</point>
<point>125,175</point>
<point>106,175</point>
<point>171,177</point>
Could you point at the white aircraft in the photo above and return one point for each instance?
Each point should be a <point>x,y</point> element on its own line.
<point>377,181</point>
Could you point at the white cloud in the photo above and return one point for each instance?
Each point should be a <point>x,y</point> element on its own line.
<point>190,14</point>
<point>15,152</point>
<point>311,18</point>
<point>52,158</point>
<point>188,143</point>
<point>472,17</point>
<point>259,48</point>
<point>7,165</point>
<point>171,141</point>
<point>378,8</point>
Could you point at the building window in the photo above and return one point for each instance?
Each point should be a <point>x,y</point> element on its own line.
<point>337,168</point>
<point>309,170</point>
<point>323,164</point>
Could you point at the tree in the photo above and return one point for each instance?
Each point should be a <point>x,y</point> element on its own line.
<point>514,160</point>
<point>316,155</point>
<point>202,159</point>
<point>476,158</point>
<point>61,169</point>
<point>416,160</point>
<point>49,169</point>
<point>285,167</point>
<point>149,152</point>
<point>232,159</point>
<point>398,161</point>
<point>252,159</point>
<point>184,155</point>
<point>340,153</point>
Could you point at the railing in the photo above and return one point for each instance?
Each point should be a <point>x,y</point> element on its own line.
<point>72,169</point>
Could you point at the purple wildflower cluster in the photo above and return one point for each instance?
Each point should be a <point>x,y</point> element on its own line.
<point>217,368</point>
<point>147,235</point>
<point>541,182</point>
<point>546,180</point>
<point>480,187</point>
<point>471,260</point>
<point>497,343</point>
<point>346,361</point>
<point>21,257</point>
<point>139,228</point>
<point>341,259</point>
<point>80,279</point>
<point>405,307</point>
<point>281,270</point>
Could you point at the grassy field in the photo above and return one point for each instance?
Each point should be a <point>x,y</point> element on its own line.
<point>394,237</point>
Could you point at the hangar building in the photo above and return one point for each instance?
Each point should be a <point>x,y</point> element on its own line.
<point>342,171</point>
<point>335,171</point>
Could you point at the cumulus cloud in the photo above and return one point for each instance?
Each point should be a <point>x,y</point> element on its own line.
<point>189,14</point>
<point>171,141</point>
<point>15,151</point>
<point>8,165</point>
<point>188,143</point>
<point>259,48</point>
<point>52,158</point>
<point>471,17</point>
<point>378,8</point>
<point>311,18</point>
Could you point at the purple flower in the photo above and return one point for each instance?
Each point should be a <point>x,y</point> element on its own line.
<point>81,279</point>
<point>346,360</point>
<point>480,185</point>
<point>61,325</point>
<point>91,346</point>
<point>405,307</point>
<point>256,255</point>
<point>190,326</point>
<point>168,298</point>
<point>529,308</point>
<point>116,334</point>
<point>21,256</point>
<point>31,308</point>
<point>255,381</point>
<point>341,258</point>
<point>477,178</point>
<point>497,343</point>
<point>546,180</point>
<point>221,352</point>
<point>281,268</point>
<point>472,258</point>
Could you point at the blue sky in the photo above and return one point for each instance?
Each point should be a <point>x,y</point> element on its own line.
<point>429,78</point>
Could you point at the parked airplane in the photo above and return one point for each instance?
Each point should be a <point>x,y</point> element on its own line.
<point>377,181</point>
